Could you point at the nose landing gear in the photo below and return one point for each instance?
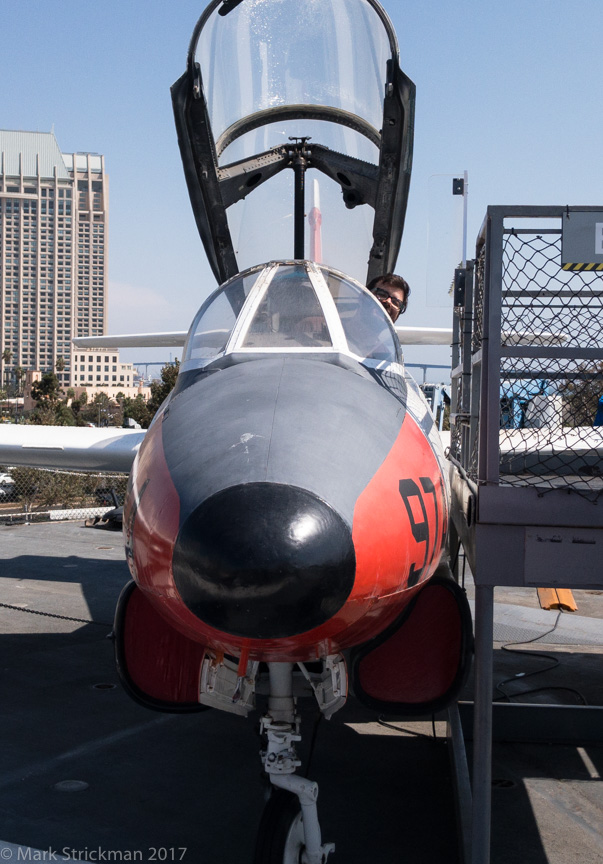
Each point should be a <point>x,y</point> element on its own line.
<point>289,831</point>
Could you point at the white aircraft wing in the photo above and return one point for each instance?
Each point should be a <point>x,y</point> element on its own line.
<point>424,335</point>
<point>169,339</point>
<point>533,337</point>
<point>177,338</point>
<point>443,336</point>
<point>68,447</point>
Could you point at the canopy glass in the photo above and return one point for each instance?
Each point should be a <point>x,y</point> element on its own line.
<point>291,307</point>
<point>266,55</point>
<point>308,85</point>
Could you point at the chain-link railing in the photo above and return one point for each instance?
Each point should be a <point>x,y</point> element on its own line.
<point>478,304</point>
<point>549,404</point>
<point>468,302</point>
<point>536,364</point>
<point>35,494</point>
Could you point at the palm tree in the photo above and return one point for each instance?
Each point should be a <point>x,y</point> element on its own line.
<point>19,375</point>
<point>7,356</point>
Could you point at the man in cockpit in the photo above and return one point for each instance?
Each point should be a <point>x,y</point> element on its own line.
<point>392,292</point>
<point>367,334</point>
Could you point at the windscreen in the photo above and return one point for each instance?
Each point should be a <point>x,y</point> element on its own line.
<point>215,320</point>
<point>291,307</point>
<point>289,314</point>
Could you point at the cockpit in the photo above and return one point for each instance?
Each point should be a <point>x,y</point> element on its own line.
<point>295,307</point>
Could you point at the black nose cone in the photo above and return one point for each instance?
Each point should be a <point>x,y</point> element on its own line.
<point>264,561</point>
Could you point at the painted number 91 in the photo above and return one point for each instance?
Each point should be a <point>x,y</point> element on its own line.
<point>433,539</point>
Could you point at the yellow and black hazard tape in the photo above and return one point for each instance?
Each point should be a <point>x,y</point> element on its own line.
<point>583,267</point>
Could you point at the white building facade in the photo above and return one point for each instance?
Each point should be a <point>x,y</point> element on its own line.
<point>100,369</point>
<point>53,255</point>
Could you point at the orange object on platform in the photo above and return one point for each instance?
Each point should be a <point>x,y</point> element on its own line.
<point>557,598</point>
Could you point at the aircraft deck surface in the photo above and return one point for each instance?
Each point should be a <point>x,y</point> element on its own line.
<point>158,784</point>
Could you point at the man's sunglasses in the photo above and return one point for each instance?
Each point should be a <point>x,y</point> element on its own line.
<point>382,294</point>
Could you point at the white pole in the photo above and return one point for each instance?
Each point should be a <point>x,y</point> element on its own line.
<point>465,190</point>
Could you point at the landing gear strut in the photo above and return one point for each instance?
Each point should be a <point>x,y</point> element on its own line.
<point>289,831</point>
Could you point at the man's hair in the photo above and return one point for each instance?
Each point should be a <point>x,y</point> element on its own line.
<point>394,282</point>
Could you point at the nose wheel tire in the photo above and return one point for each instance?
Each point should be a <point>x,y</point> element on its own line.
<point>280,837</point>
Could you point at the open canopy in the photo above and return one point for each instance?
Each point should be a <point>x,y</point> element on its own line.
<point>309,85</point>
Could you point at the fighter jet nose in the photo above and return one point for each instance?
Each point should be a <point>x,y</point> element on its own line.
<point>264,561</point>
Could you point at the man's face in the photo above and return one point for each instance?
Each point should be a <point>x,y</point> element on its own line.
<point>392,299</point>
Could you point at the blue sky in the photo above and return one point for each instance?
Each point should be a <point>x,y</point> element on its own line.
<point>511,92</point>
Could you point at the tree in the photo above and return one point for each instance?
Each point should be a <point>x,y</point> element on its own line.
<point>101,399</point>
<point>50,410</point>
<point>27,485</point>
<point>60,364</point>
<point>47,389</point>
<point>60,488</point>
<point>138,410</point>
<point>160,390</point>
<point>63,415</point>
<point>47,489</point>
<point>92,411</point>
<point>78,406</point>
<point>7,356</point>
<point>100,405</point>
<point>42,415</point>
<point>101,410</point>
<point>19,376</point>
<point>46,414</point>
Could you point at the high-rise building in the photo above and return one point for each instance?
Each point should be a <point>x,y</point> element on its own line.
<point>53,253</point>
